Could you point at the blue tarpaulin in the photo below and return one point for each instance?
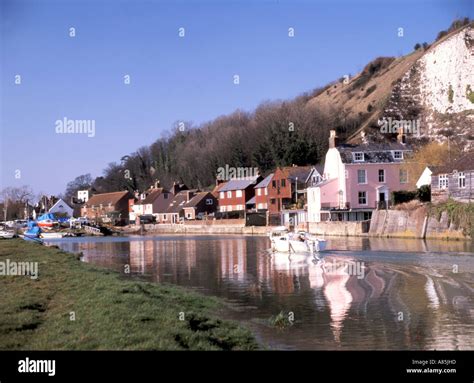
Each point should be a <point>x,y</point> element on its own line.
<point>33,230</point>
<point>47,216</point>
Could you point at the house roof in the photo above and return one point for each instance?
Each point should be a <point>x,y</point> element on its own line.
<point>179,201</point>
<point>239,183</point>
<point>193,202</point>
<point>106,198</point>
<point>300,172</point>
<point>373,153</point>
<point>319,168</point>
<point>264,183</point>
<point>465,162</point>
<point>217,188</point>
<point>61,201</point>
<point>251,201</point>
<point>151,197</point>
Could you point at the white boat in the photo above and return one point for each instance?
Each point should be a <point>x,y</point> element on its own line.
<point>51,235</point>
<point>6,234</point>
<point>284,241</point>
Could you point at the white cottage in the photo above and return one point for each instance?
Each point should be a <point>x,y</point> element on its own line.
<point>61,207</point>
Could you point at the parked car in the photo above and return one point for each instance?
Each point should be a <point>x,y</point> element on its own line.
<point>147,218</point>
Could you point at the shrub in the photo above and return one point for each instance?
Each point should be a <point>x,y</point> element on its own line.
<point>450,94</point>
<point>441,35</point>
<point>424,193</point>
<point>460,214</point>
<point>402,196</point>
<point>370,90</point>
<point>417,46</point>
<point>469,94</point>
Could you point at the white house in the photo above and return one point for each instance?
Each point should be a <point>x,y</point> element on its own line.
<point>61,207</point>
<point>83,195</point>
<point>425,178</point>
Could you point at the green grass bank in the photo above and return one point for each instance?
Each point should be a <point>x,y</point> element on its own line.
<point>110,311</point>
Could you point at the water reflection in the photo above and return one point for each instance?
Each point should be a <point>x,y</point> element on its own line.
<point>358,296</point>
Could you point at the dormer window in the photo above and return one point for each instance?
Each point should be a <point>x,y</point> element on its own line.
<point>398,155</point>
<point>358,156</point>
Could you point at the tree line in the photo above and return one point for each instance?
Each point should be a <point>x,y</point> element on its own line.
<point>279,133</point>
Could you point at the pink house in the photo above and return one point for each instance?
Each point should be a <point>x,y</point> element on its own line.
<point>356,180</point>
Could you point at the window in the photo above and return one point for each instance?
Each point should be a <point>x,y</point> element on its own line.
<point>209,201</point>
<point>283,183</point>
<point>164,217</point>
<point>238,193</point>
<point>461,180</point>
<point>362,198</point>
<point>398,155</point>
<point>229,194</point>
<point>272,201</point>
<point>381,175</point>
<point>274,184</point>
<point>358,156</point>
<point>361,176</point>
<point>189,215</point>
<point>403,176</point>
<point>266,191</point>
<point>443,181</point>
<point>240,207</point>
<point>222,195</point>
<point>259,191</point>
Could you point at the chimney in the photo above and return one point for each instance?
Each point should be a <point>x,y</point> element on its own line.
<point>332,139</point>
<point>401,138</point>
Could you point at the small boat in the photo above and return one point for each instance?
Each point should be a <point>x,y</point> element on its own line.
<point>47,220</point>
<point>6,234</point>
<point>285,241</point>
<point>47,223</point>
<point>51,235</point>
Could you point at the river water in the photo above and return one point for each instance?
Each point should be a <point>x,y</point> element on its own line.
<point>363,293</point>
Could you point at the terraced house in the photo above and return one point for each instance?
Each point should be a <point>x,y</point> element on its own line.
<point>454,181</point>
<point>357,179</point>
<point>238,194</point>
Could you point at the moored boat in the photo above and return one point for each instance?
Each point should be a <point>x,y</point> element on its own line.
<point>6,234</point>
<point>51,235</point>
<point>285,241</point>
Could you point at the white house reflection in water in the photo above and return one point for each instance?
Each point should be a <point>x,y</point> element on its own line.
<point>359,298</point>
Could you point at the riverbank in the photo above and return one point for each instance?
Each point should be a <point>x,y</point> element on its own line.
<point>72,305</point>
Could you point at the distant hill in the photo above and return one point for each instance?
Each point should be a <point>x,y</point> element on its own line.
<point>434,84</point>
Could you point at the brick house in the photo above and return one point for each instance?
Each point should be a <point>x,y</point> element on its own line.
<point>200,205</point>
<point>261,193</point>
<point>237,194</point>
<point>288,186</point>
<point>107,207</point>
<point>152,202</point>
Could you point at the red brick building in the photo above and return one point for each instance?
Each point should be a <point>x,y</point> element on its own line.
<point>107,207</point>
<point>288,185</point>
<point>261,193</point>
<point>237,194</point>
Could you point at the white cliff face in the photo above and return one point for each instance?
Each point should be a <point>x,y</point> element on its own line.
<point>447,74</point>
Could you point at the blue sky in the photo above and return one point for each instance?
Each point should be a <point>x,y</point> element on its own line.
<point>174,78</point>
